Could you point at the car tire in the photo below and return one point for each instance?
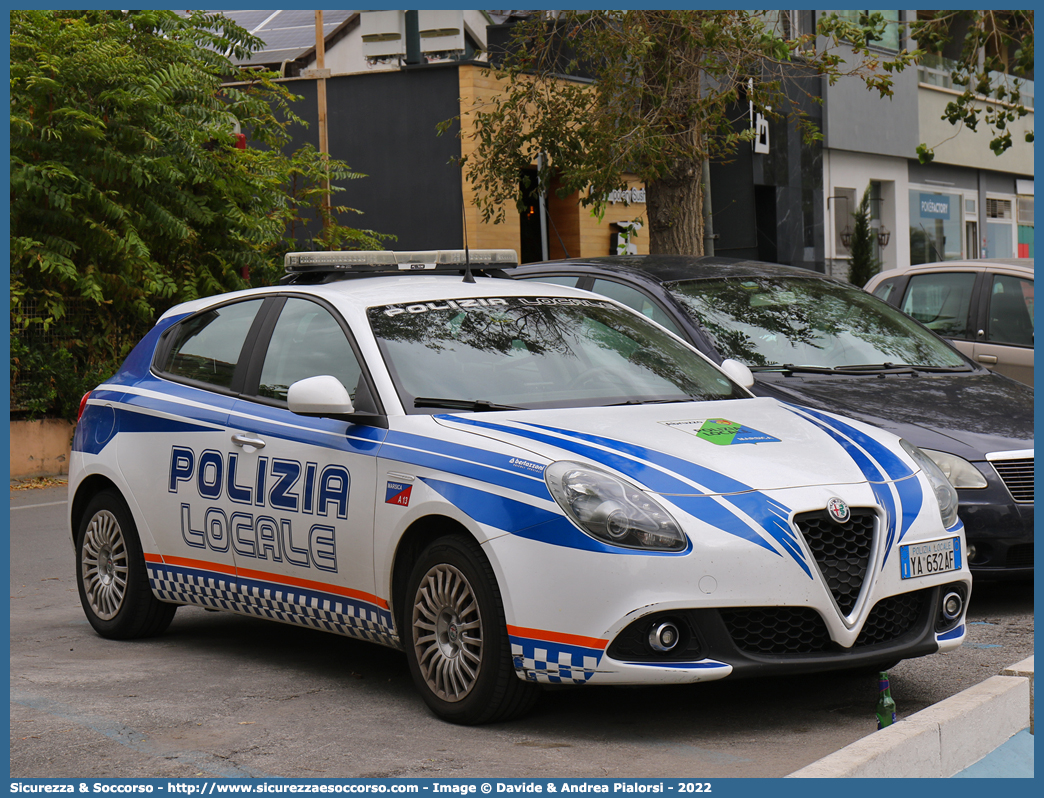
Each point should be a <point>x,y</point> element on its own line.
<point>456,637</point>
<point>111,576</point>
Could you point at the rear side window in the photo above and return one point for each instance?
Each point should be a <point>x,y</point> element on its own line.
<point>1011,311</point>
<point>206,347</point>
<point>941,302</point>
<point>885,290</point>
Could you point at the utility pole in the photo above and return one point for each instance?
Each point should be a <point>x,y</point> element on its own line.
<point>322,73</point>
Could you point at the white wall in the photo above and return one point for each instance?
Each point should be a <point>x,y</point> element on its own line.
<point>850,170</point>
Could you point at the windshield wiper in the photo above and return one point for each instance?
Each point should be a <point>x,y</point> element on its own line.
<point>861,368</point>
<point>476,405</point>
<point>653,401</point>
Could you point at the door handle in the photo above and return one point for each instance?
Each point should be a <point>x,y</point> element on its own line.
<point>247,440</point>
<point>988,359</point>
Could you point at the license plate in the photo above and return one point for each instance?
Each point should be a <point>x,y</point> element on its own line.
<point>930,557</point>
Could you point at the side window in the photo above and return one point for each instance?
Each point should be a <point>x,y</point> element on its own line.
<point>884,290</point>
<point>636,300</point>
<point>307,342</point>
<point>941,302</point>
<point>1011,311</point>
<point>207,346</point>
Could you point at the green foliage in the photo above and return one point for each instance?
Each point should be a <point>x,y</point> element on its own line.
<point>990,58</point>
<point>863,265</point>
<point>668,87</point>
<point>128,194</point>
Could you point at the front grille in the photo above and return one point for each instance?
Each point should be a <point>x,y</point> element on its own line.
<point>777,630</point>
<point>1020,556</point>
<point>891,618</point>
<point>842,551</point>
<point>801,630</point>
<point>1018,478</point>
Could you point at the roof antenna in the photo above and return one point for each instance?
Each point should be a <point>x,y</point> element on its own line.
<point>468,276</point>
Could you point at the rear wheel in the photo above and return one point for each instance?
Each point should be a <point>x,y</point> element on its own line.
<point>456,637</point>
<point>111,576</point>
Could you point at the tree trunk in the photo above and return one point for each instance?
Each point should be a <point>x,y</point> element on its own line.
<point>674,205</point>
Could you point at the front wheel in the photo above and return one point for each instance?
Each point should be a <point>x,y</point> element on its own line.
<point>456,637</point>
<point>111,576</point>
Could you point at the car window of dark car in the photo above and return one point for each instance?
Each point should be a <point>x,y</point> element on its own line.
<point>775,321</point>
<point>206,347</point>
<point>941,302</point>
<point>635,300</point>
<point>307,342</point>
<point>1011,311</point>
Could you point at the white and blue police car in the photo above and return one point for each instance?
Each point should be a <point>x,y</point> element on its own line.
<point>515,483</point>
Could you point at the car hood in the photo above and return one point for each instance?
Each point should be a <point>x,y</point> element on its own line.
<point>968,415</point>
<point>699,448</point>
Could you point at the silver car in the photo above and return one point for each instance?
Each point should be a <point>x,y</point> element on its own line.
<point>984,307</point>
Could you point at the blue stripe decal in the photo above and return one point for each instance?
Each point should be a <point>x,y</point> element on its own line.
<point>531,523</point>
<point>770,515</point>
<point>953,634</point>
<point>714,481</point>
<point>907,485</point>
<point>656,480</point>
<point>774,519</point>
<point>490,508</point>
<point>912,497</point>
<point>463,468</point>
<point>888,460</point>
<point>711,512</point>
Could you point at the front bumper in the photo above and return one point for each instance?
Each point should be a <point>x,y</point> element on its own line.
<point>999,529</point>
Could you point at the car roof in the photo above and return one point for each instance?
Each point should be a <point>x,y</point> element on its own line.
<point>360,293</point>
<point>1024,265</point>
<point>670,268</point>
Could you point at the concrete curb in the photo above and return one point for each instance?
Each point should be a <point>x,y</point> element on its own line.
<point>941,740</point>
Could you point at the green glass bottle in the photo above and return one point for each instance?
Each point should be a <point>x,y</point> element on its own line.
<point>885,704</point>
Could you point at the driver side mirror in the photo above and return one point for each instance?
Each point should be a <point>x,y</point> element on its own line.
<point>319,396</point>
<point>738,372</point>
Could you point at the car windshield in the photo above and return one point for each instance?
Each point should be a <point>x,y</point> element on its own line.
<point>536,352</point>
<point>770,322</point>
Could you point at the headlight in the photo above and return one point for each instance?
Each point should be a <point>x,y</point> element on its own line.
<point>959,471</point>
<point>944,491</point>
<point>612,510</point>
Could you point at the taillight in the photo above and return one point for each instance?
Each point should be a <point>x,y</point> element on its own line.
<point>83,404</point>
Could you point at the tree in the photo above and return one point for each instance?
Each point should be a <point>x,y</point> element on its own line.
<point>667,87</point>
<point>989,54</point>
<point>128,193</point>
<point>863,265</point>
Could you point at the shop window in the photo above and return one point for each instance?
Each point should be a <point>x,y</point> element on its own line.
<point>936,226</point>
<point>999,228</point>
<point>1025,233</point>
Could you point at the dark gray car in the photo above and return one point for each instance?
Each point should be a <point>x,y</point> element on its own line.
<point>825,344</point>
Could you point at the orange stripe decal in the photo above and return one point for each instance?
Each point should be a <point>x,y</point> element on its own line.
<point>264,576</point>
<point>292,581</point>
<point>558,637</point>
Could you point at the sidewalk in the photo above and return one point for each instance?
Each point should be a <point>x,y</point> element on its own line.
<point>984,732</point>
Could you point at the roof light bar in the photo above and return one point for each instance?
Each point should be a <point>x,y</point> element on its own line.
<point>388,261</point>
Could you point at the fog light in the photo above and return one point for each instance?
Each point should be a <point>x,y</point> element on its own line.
<point>952,605</point>
<point>972,552</point>
<point>663,637</point>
